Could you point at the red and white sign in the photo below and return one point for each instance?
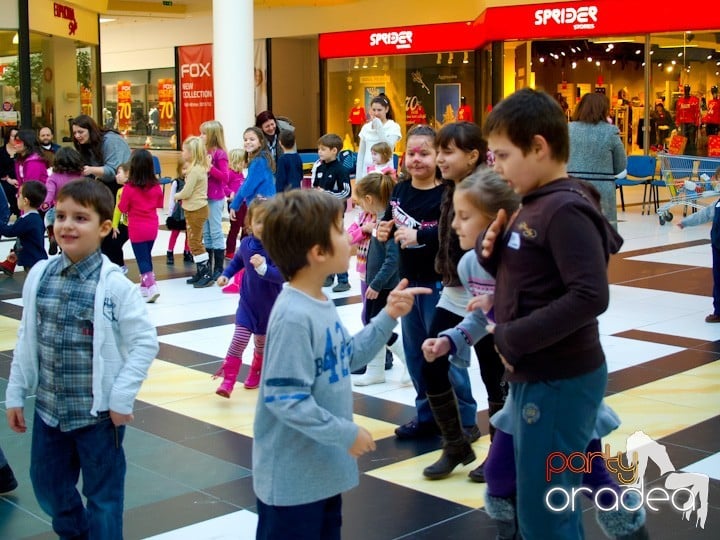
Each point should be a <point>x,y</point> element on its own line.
<point>166,104</point>
<point>555,20</point>
<point>197,101</point>
<point>404,40</point>
<point>124,106</point>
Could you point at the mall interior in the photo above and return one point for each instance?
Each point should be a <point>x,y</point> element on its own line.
<point>152,69</point>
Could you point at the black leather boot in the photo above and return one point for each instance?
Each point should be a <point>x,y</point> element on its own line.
<point>456,448</point>
<point>478,473</point>
<point>205,278</point>
<point>219,260</point>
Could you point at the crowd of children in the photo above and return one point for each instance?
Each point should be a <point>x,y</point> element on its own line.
<point>445,248</point>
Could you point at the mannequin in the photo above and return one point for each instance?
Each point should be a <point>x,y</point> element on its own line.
<point>465,111</point>
<point>712,118</point>
<point>357,119</point>
<point>687,118</point>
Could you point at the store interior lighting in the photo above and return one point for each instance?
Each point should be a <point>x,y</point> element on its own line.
<point>15,39</point>
<point>439,58</point>
<point>466,58</point>
<point>375,63</point>
<point>451,57</point>
<point>365,63</point>
<point>357,63</point>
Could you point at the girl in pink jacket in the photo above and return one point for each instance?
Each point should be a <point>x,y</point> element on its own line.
<point>140,199</point>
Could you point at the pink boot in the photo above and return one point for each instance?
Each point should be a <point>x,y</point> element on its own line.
<point>234,286</point>
<point>145,281</point>
<point>229,371</point>
<point>253,379</point>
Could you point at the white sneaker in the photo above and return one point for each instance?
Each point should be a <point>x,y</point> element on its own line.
<point>153,293</point>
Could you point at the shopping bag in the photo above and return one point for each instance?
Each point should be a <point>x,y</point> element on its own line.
<point>677,144</point>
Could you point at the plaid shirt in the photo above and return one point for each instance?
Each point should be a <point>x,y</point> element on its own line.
<point>65,309</point>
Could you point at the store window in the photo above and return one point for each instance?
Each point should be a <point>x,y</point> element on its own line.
<point>141,105</point>
<point>429,89</point>
<point>62,79</point>
<point>685,76</point>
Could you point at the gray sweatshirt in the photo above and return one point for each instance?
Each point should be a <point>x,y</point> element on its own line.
<point>303,419</point>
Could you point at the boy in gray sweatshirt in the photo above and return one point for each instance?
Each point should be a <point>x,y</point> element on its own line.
<point>305,442</point>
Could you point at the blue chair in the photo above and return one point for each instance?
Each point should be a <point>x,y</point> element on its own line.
<point>640,172</point>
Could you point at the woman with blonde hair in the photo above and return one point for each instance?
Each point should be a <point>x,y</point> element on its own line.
<point>213,136</point>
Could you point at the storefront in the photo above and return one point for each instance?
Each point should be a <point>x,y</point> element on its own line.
<point>429,73</point>
<point>639,54</point>
<point>54,46</point>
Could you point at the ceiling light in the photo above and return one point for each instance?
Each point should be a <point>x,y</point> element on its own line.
<point>365,62</point>
<point>451,57</point>
<point>439,58</point>
<point>574,65</point>
<point>357,63</point>
<point>104,20</point>
<point>638,51</point>
<point>542,59</point>
<point>597,63</point>
<point>589,58</point>
<point>466,59</point>
<point>614,62</point>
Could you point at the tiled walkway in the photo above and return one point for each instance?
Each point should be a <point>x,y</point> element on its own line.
<point>188,450</point>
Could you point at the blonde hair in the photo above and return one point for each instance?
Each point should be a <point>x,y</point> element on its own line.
<point>383,149</point>
<point>489,193</point>
<point>376,185</point>
<point>198,153</point>
<point>214,134</point>
<point>237,159</point>
<point>180,166</point>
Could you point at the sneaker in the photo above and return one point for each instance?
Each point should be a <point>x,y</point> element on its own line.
<point>417,430</point>
<point>472,433</point>
<point>229,255</point>
<point>341,287</point>
<point>712,318</point>
<point>153,293</point>
<point>8,482</point>
<point>328,281</point>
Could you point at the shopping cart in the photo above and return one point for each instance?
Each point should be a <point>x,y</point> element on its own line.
<point>688,179</point>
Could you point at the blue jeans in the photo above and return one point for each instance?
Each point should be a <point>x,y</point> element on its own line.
<point>143,255</point>
<point>56,460</point>
<point>552,416</point>
<point>320,520</point>
<point>416,328</point>
<point>212,230</point>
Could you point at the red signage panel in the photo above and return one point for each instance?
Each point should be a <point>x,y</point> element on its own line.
<point>197,102</point>
<point>555,20</point>
<point>124,105</point>
<point>398,40</point>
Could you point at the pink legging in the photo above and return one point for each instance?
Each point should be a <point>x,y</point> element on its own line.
<point>173,238</point>
<point>240,340</point>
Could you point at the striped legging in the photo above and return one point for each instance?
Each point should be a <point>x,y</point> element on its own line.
<point>240,340</point>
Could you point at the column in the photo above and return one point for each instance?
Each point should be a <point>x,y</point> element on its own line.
<point>233,71</point>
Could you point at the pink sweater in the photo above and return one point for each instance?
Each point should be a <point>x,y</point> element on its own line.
<point>140,205</point>
<point>33,167</point>
<point>56,181</point>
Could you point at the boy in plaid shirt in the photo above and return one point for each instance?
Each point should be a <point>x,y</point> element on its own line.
<point>84,347</point>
